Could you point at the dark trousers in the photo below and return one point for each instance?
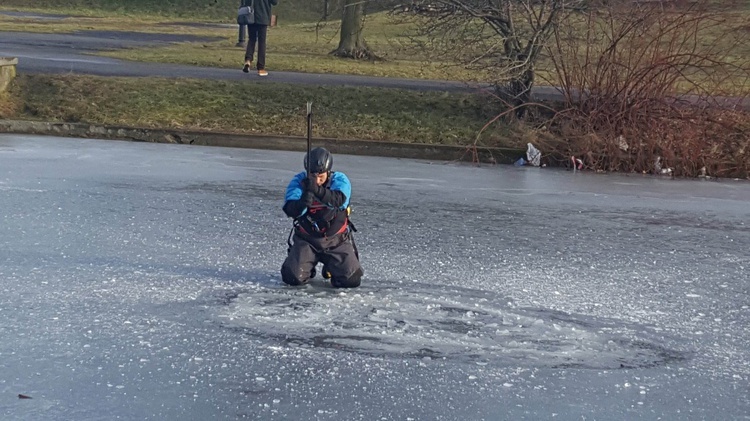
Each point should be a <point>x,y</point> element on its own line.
<point>256,34</point>
<point>337,253</point>
<point>241,37</point>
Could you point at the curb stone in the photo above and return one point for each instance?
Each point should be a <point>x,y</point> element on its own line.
<point>485,155</point>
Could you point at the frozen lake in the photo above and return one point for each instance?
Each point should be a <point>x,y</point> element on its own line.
<point>140,281</point>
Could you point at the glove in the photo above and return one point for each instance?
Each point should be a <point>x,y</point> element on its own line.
<point>309,185</point>
<point>306,182</point>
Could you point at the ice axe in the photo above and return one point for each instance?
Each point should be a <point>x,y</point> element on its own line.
<point>307,167</point>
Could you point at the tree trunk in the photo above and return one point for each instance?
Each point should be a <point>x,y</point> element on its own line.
<point>521,87</point>
<point>517,93</point>
<point>352,43</point>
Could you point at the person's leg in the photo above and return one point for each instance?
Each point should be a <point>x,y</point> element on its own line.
<point>250,50</point>
<point>252,38</point>
<point>262,31</point>
<point>241,36</point>
<point>299,263</point>
<point>353,281</point>
<point>342,263</point>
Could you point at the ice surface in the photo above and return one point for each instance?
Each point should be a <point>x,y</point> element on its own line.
<point>140,281</point>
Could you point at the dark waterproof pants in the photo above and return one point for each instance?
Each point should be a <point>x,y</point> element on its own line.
<point>256,34</point>
<point>337,254</point>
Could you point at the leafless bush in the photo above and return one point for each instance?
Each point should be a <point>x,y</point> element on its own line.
<point>649,87</point>
<point>500,39</point>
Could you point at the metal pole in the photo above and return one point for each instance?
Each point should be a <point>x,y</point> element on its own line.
<point>309,134</point>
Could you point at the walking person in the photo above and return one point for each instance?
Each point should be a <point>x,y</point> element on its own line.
<point>318,200</point>
<point>257,34</point>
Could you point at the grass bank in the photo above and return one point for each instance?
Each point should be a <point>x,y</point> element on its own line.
<point>241,107</point>
<point>202,10</point>
<point>359,113</point>
<point>302,42</point>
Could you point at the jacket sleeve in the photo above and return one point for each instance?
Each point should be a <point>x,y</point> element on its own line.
<point>337,194</point>
<point>331,198</point>
<point>294,205</point>
<point>274,2</point>
<point>294,208</point>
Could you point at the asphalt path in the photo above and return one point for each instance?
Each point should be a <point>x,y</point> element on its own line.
<point>75,53</point>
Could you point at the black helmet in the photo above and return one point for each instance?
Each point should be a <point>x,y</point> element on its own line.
<point>320,161</point>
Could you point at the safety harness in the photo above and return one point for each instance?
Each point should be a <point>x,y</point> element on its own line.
<point>321,232</point>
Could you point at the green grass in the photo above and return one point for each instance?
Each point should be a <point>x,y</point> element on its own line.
<point>301,47</point>
<point>305,48</point>
<point>241,107</point>
<point>204,10</point>
<point>296,44</point>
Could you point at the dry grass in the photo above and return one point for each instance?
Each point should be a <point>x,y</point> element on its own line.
<point>193,10</point>
<point>9,105</point>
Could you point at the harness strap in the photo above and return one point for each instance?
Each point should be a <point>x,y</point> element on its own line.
<point>342,230</point>
<point>291,233</point>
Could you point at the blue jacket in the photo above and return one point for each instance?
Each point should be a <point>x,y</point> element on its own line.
<point>338,182</point>
<point>327,214</point>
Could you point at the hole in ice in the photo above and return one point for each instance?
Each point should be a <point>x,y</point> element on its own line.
<point>437,322</point>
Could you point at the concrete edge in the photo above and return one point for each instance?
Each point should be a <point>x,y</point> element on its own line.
<point>286,143</point>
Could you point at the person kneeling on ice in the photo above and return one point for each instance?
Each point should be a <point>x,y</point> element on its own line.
<point>318,200</point>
